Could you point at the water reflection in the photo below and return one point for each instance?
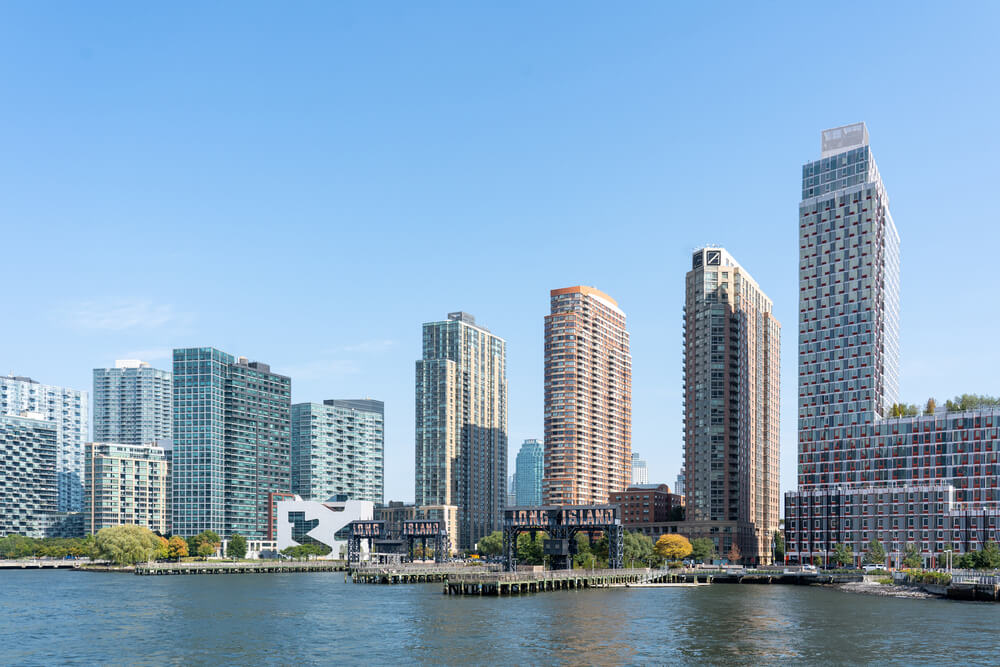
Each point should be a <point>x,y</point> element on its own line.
<point>59,617</point>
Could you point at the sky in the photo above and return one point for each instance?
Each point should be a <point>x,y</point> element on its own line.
<point>305,184</point>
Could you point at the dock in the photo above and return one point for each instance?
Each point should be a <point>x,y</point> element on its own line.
<point>415,574</point>
<point>40,564</point>
<point>254,567</point>
<point>516,583</point>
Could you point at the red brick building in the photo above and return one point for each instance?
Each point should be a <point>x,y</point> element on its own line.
<point>646,504</point>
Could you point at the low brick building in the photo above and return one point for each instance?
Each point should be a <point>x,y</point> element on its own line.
<point>643,505</point>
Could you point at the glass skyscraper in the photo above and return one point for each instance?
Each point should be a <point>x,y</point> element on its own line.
<point>69,411</point>
<point>461,427</point>
<point>530,471</point>
<point>338,447</point>
<point>132,403</point>
<point>232,439</point>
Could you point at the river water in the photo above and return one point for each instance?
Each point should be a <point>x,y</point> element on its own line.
<point>65,617</point>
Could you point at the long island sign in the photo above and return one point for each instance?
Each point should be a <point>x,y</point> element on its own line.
<point>546,517</point>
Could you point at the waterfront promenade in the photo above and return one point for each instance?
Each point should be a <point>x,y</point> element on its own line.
<point>40,564</point>
<point>239,567</point>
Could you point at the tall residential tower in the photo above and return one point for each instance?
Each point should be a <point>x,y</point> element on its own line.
<point>338,448</point>
<point>588,398</point>
<point>927,483</point>
<point>132,403</point>
<point>231,443</point>
<point>69,411</point>
<point>731,404</point>
<point>461,427</point>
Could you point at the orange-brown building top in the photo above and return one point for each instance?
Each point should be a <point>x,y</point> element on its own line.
<point>582,289</point>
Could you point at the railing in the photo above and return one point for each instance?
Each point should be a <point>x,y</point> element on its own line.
<point>984,579</point>
<point>241,565</point>
<point>548,575</point>
<point>424,568</point>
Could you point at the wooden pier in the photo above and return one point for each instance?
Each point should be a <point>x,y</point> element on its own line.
<point>415,574</point>
<point>243,567</point>
<point>516,583</point>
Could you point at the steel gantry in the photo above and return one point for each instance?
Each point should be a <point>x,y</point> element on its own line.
<point>561,524</point>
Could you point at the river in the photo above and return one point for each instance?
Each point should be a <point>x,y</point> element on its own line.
<point>66,617</point>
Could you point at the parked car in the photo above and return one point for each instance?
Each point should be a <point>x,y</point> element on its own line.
<point>871,568</point>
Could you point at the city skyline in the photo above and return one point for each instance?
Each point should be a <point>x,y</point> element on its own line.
<point>592,169</point>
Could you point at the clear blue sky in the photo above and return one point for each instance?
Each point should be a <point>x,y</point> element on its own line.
<point>305,184</point>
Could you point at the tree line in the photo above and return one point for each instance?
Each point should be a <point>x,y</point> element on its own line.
<point>122,545</point>
<point>958,404</point>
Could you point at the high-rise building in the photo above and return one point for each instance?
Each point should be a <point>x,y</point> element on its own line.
<point>731,400</point>
<point>67,409</point>
<point>511,491</point>
<point>28,482</point>
<point>679,485</point>
<point>461,427</point>
<point>640,470</point>
<point>925,482</point>
<point>588,398</point>
<point>126,484</point>
<point>530,472</point>
<point>338,448</point>
<point>132,403</point>
<point>231,442</point>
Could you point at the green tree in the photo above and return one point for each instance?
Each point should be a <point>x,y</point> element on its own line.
<point>638,549</point>
<point>491,545</point>
<point>819,560</point>
<point>531,552</point>
<point>162,548</point>
<point>967,561</point>
<point>779,547</point>
<point>126,545</point>
<point>209,537</point>
<point>703,549</point>
<point>16,546</point>
<point>874,554</point>
<point>989,557</point>
<point>237,547</point>
<point>842,556</point>
<point>912,557</point>
<point>602,549</point>
<point>205,549</point>
<point>584,556</point>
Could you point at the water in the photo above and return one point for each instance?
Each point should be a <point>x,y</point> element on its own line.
<point>64,617</point>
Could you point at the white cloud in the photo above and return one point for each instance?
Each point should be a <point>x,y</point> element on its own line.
<point>121,315</point>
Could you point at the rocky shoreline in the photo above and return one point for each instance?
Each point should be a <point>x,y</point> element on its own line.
<point>884,590</point>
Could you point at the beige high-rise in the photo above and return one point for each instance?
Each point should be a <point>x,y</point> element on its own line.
<point>731,399</point>
<point>588,398</point>
<point>461,428</point>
